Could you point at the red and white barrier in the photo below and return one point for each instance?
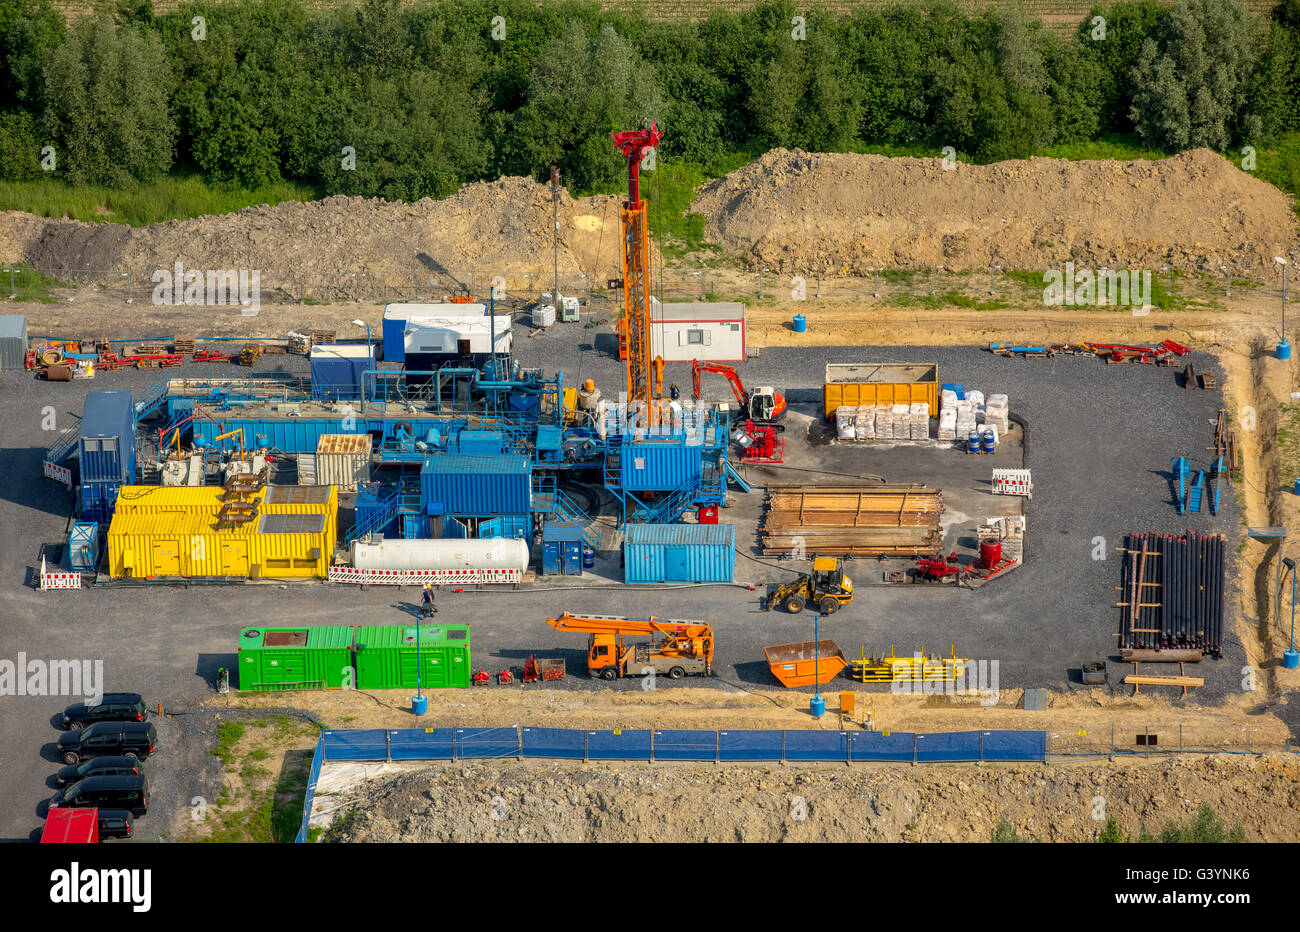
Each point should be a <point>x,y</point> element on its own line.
<point>1013,482</point>
<point>348,574</point>
<point>58,580</point>
<point>58,473</point>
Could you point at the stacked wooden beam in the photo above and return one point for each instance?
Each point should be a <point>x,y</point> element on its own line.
<point>894,520</point>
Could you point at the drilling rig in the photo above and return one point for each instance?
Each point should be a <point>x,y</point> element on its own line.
<point>644,374</point>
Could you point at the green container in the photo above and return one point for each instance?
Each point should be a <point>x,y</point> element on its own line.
<point>295,658</point>
<point>386,656</point>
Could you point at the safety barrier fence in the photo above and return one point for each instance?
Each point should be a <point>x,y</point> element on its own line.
<point>666,744</point>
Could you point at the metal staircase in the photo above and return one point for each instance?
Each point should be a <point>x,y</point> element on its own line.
<point>667,508</point>
<point>1182,473</point>
<point>151,400</point>
<point>549,499</point>
<point>63,447</point>
<point>398,503</point>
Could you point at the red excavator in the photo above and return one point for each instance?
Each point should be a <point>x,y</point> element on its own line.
<point>762,406</point>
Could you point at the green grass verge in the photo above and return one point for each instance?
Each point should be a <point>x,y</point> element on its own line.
<point>177,197</point>
<point>271,809</point>
<point>26,284</point>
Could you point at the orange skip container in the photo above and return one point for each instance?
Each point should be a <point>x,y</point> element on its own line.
<point>805,662</point>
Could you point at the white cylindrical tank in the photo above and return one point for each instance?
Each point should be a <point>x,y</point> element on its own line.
<point>487,554</point>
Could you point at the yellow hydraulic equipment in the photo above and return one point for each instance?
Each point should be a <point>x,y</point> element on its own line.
<point>915,669</point>
<point>685,647</point>
<point>644,374</point>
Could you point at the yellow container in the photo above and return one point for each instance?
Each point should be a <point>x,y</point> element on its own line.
<point>207,499</point>
<point>274,546</point>
<point>158,499</point>
<point>881,383</point>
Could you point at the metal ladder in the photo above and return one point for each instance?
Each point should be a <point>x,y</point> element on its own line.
<point>1197,492</point>
<point>1182,472</point>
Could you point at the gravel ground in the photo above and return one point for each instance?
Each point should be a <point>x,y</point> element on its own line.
<point>1039,622</point>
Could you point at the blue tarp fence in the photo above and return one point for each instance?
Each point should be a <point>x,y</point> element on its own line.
<point>680,744</point>
<point>668,744</point>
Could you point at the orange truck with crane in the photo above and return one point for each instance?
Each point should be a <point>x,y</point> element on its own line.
<point>685,646</point>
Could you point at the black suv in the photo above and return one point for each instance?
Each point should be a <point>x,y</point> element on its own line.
<point>126,739</point>
<point>114,823</point>
<point>130,793</point>
<point>99,767</point>
<point>113,707</point>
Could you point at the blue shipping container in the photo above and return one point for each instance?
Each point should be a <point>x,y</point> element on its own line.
<point>659,466</point>
<point>679,553</point>
<point>292,435</point>
<point>562,549</point>
<point>98,499</point>
<point>395,334</point>
<point>337,370</point>
<point>477,485</point>
<point>107,440</point>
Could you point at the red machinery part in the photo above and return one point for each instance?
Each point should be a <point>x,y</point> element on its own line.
<point>938,567</point>
<point>766,446</point>
<point>633,143</point>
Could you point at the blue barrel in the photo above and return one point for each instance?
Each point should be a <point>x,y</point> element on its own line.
<point>800,323</point>
<point>588,557</point>
<point>1297,487</point>
<point>1283,349</point>
<point>990,441</point>
<point>817,706</point>
<point>973,442</point>
<point>419,704</point>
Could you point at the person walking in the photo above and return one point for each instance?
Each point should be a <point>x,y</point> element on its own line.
<point>675,392</point>
<point>428,608</point>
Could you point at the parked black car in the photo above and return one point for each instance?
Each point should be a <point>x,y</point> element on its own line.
<point>99,767</point>
<point>125,739</point>
<point>114,823</point>
<point>130,793</point>
<point>113,707</point>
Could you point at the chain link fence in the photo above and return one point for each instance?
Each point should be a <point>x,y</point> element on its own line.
<point>1156,738</point>
<point>980,289</point>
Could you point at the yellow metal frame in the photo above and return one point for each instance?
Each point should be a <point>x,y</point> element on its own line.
<point>915,669</point>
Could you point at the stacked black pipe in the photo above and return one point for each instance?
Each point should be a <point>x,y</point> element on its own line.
<point>1185,609</point>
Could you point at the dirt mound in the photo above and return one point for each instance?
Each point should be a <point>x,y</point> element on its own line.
<point>501,227</point>
<point>550,801</point>
<point>822,211</point>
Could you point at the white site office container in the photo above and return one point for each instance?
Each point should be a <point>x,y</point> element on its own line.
<point>707,331</point>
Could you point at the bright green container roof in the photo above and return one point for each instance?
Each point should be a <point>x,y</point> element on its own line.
<point>308,637</point>
<point>434,635</point>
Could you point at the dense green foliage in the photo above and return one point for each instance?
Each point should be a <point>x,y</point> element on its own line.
<point>406,101</point>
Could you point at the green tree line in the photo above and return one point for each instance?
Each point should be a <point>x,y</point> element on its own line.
<point>406,101</point>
